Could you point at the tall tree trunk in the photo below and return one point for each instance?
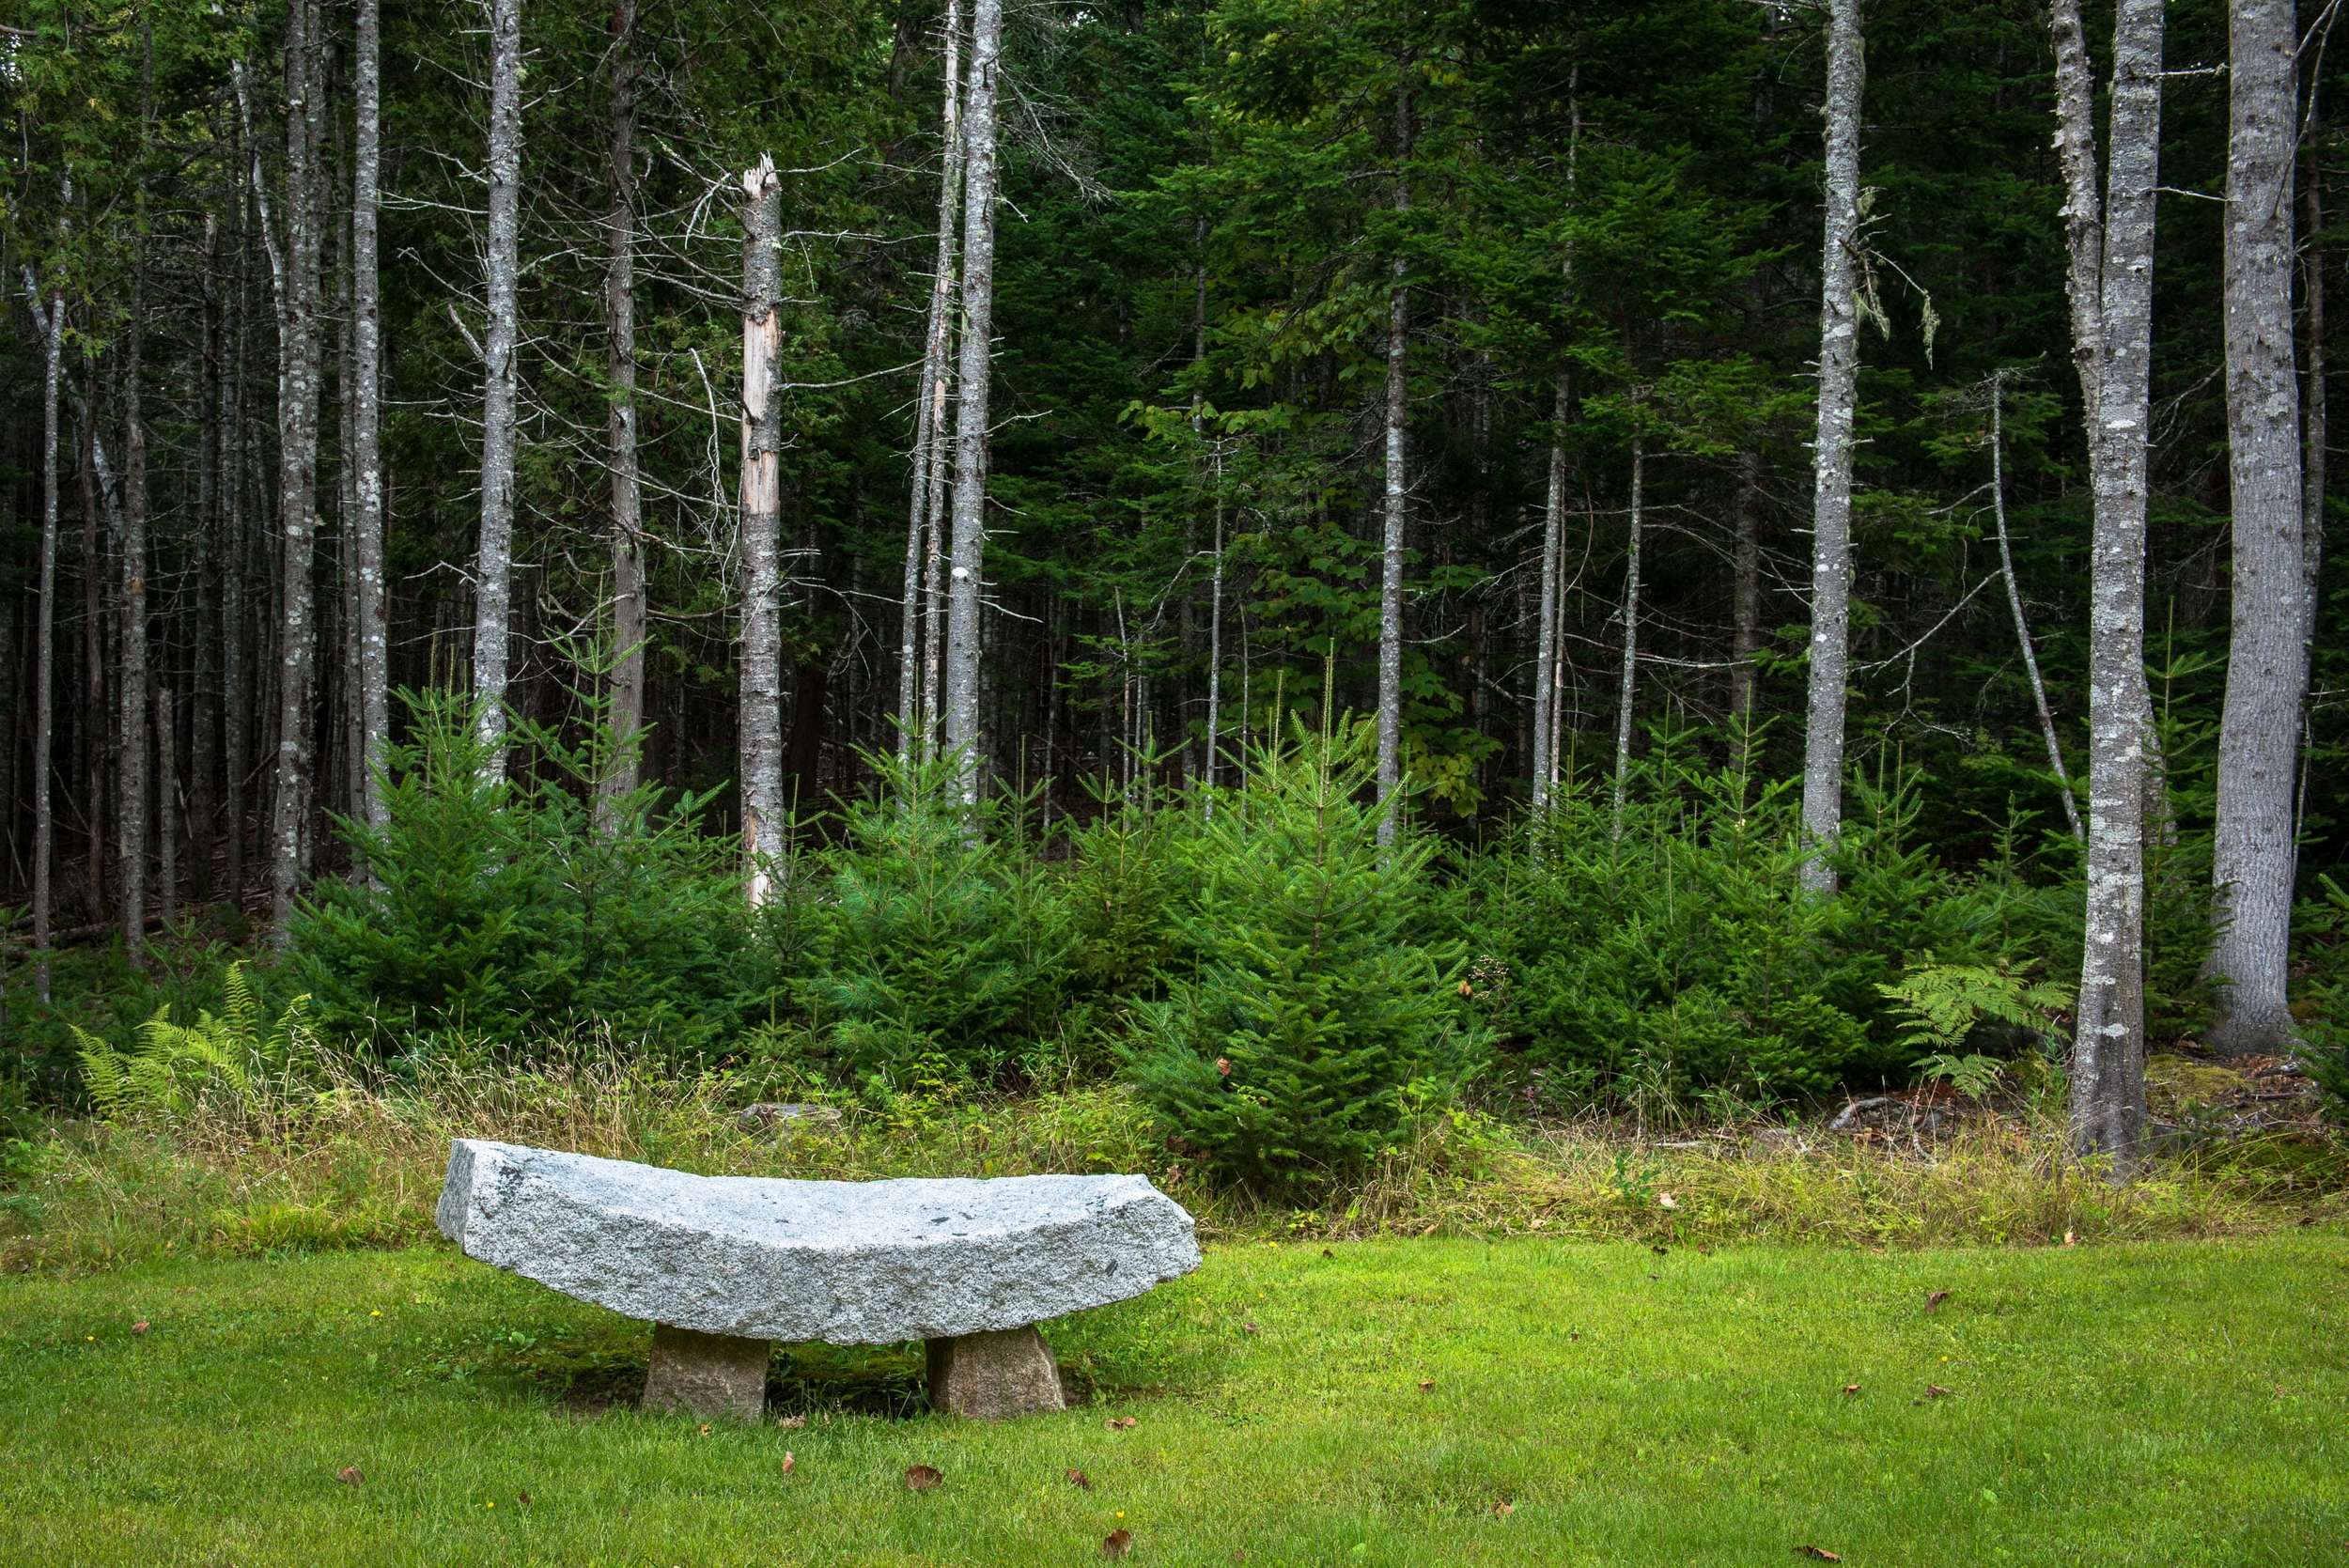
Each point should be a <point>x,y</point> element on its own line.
<point>1397,497</point>
<point>762,465</point>
<point>131,732</point>
<point>236,687</point>
<point>1745,636</point>
<point>964,598</point>
<point>364,450</point>
<point>2015,604</point>
<point>2312,469</point>
<point>494,570</point>
<point>2253,853</point>
<point>1546,637</point>
<point>1629,687</point>
<point>45,674</point>
<point>90,722</point>
<point>166,806</point>
<point>914,696</point>
<point>297,470</point>
<point>2108,1109</point>
<point>1831,506</point>
<point>203,570</point>
<point>627,689</point>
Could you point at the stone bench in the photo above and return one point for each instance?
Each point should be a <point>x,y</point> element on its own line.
<point>724,1266</point>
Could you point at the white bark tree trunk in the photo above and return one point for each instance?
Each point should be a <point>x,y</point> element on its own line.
<point>1546,637</point>
<point>762,503</point>
<point>2108,1090</point>
<point>2253,853</point>
<point>45,673</point>
<point>917,697</point>
<point>626,690</point>
<point>2014,605</point>
<point>494,566</point>
<point>1630,686</point>
<point>2312,411</point>
<point>366,440</point>
<point>1830,509</point>
<point>297,468</point>
<point>964,598</point>
<point>1397,499</point>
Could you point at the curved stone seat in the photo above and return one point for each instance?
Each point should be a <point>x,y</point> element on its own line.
<point>724,1264</point>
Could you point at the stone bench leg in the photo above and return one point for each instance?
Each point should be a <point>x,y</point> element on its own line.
<point>1006,1372</point>
<point>707,1374</point>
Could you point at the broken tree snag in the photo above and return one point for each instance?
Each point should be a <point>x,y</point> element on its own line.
<point>712,1375</point>
<point>1006,1372</point>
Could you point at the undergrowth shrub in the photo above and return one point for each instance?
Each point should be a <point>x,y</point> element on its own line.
<point>935,945</point>
<point>1676,960</point>
<point>1321,1020</point>
<point>507,905</point>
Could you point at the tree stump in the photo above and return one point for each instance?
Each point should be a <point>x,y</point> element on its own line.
<point>1006,1372</point>
<point>711,1376</point>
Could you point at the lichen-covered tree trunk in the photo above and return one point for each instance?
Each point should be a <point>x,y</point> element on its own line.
<point>1546,634</point>
<point>916,696</point>
<point>297,468</point>
<point>2108,1089</point>
<point>965,575</point>
<point>372,702</point>
<point>626,690</point>
<point>494,566</point>
<point>1831,455</point>
<point>1397,497</point>
<point>1628,688</point>
<point>45,655</point>
<point>762,502</point>
<point>2253,853</point>
<point>2312,421</point>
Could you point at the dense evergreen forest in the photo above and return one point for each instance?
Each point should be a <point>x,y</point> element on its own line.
<point>1755,510</point>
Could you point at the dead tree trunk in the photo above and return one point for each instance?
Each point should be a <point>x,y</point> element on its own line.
<point>494,570</point>
<point>2253,853</point>
<point>2015,604</point>
<point>626,691</point>
<point>762,463</point>
<point>1831,457</point>
<point>967,576</point>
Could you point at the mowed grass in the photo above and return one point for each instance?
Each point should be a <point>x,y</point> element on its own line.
<point>1369,1402</point>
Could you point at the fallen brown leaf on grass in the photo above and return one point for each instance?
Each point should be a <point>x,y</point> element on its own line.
<point>789,1459</point>
<point>1117,1543</point>
<point>1933,1302</point>
<point>1121,1424</point>
<point>2070,1239</point>
<point>1077,1478</point>
<point>1428,1387</point>
<point>1819,1552</point>
<point>522,1498</point>
<point>704,1429</point>
<point>348,1475</point>
<point>1934,1390</point>
<point>1851,1387</point>
<point>1502,1509</point>
<point>1248,1327</point>
<point>921,1478</point>
<point>141,1326</point>
<point>791,1423</point>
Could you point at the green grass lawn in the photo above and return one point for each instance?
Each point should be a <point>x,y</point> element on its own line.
<point>1371,1404</point>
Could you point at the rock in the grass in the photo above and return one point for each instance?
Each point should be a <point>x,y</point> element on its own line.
<point>847,1262</point>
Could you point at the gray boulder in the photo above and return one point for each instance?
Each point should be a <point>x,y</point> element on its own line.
<point>846,1262</point>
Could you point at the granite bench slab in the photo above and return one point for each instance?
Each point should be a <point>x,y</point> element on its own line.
<point>724,1264</point>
